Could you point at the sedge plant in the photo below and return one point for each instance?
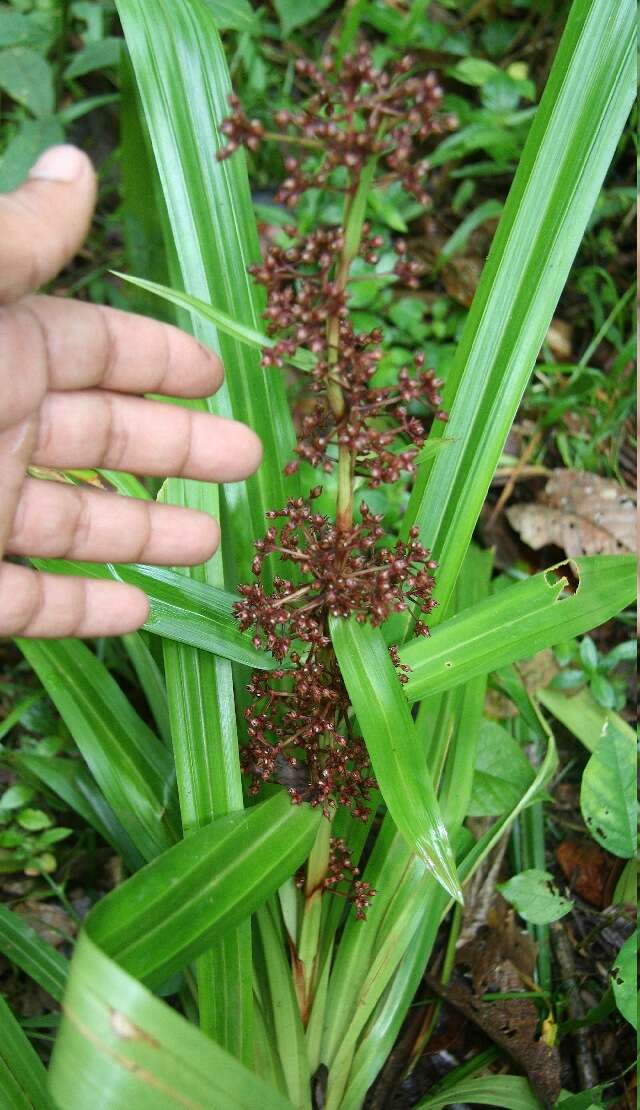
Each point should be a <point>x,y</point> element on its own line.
<point>296,661</point>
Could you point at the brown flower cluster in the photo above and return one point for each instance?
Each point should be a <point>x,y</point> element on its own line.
<point>342,869</point>
<point>299,728</point>
<point>340,572</point>
<point>303,291</point>
<point>300,735</point>
<point>353,112</point>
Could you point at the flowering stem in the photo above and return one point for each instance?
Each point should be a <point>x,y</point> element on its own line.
<point>293,140</point>
<point>353,220</point>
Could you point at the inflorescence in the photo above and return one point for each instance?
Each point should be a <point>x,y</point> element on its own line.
<point>354,112</point>
<point>299,721</point>
<point>341,868</point>
<point>374,423</point>
<point>355,119</point>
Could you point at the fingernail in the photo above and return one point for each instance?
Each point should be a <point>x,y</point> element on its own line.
<point>59,163</point>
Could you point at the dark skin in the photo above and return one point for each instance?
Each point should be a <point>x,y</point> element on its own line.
<point>72,383</point>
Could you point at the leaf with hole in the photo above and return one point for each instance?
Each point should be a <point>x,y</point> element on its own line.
<point>534,896</point>
<point>625,981</point>
<point>517,622</point>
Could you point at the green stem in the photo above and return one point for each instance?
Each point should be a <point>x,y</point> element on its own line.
<point>317,868</point>
<point>292,140</point>
<point>353,222</point>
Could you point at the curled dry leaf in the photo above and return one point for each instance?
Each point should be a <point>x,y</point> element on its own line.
<point>582,513</point>
<point>500,960</point>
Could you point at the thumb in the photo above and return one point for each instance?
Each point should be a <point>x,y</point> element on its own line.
<point>45,220</point>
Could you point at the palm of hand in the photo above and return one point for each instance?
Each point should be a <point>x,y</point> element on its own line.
<point>72,383</point>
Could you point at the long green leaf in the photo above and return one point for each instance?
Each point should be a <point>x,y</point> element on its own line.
<point>181,608</point>
<point>509,1091</point>
<point>396,753</point>
<point>120,1045</point>
<point>182,78</point>
<point>215,316</point>
<point>451,732</point>
<point>572,140</point>
<point>582,715</point>
<point>415,904</point>
<point>288,1034</point>
<point>151,680</point>
<point>303,359</point>
<point>23,1081</point>
<point>22,945</point>
<point>170,911</point>
<point>205,744</point>
<point>115,1036</point>
<point>517,622</point>
<point>132,768</point>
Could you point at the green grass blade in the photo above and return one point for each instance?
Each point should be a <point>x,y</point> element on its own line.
<point>205,745</point>
<point>22,945</point>
<point>23,1080</point>
<point>251,336</point>
<point>517,622</point>
<point>120,1045</point>
<point>132,768</point>
<point>414,904</point>
<point>175,907</point>
<point>572,140</point>
<point>509,1091</point>
<point>396,753</point>
<point>182,78</point>
<point>151,681</point>
<point>582,715</point>
<point>180,608</point>
<point>452,734</point>
<point>303,359</point>
<point>285,1012</point>
<point>14,717</point>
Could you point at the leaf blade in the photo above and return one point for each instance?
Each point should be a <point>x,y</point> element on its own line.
<point>569,147</point>
<point>396,753</point>
<point>517,622</point>
<point>181,609</point>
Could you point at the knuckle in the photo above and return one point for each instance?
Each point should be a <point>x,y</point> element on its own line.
<point>115,433</point>
<point>23,364</point>
<point>21,600</point>
<point>139,530</point>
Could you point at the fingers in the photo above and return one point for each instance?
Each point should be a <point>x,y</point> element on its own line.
<point>57,521</point>
<point>95,428</point>
<point>75,345</point>
<point>44,221</point>
<point>47,605</point>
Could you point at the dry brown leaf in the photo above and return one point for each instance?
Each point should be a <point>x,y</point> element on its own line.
<point>48,920</point>
<point>460,278</point>
<point>580,512</point>
<point>500,959</point>
<point>558,339</point>
<point>588,869</point>
<point>539,671</point>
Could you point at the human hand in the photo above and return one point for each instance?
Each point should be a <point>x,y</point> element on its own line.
<point>69,376</point>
